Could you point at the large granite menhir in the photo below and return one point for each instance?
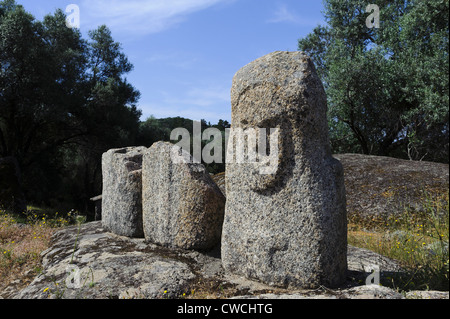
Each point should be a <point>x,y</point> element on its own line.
<point>122,191</point>
<point>287,228</point>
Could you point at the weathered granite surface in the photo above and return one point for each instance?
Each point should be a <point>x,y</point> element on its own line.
<point>182,206</point>
<point>379,186</point>
<point>112,266</point>
<point>122,191</point>
<point>286,228</point>
<point>384,186</point>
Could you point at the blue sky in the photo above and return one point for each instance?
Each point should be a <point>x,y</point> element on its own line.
<point>186,52</point>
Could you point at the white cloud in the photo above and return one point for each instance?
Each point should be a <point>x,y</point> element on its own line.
<point>210,103</point>
<point>141,16</point>
<point>283,14</point>
<point>208,96</point>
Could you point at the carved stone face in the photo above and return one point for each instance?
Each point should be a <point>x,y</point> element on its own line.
<point>273,95</point>
<point>266,152</point>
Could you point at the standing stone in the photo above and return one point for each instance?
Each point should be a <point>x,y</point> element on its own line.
<point>122,191</point>
<point>182,206</point>
<point>287,228</point>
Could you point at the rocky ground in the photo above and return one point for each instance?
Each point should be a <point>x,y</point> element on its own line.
<point>377,185</point>
<point>109,266</point>
<point>94,264</point>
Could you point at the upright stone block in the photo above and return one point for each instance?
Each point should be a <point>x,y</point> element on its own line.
<point>182,206</point>
<point>287,228</point>
<point>122,191</point>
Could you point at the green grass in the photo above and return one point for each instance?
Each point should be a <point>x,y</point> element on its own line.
<point>417,239</point>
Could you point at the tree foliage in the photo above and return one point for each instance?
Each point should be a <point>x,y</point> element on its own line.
<point>153,130</point>
<point>63,102</point>
<point>387,87</point>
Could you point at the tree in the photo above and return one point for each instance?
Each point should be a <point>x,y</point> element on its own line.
<point>110,116</point>
<point>40,67</point>
<point>387,88</point>
<point>63,101</point>
<point>153,130</point>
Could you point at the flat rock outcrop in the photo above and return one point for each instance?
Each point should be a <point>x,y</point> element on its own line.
<point>112,266</point>
<point>384,186</point>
